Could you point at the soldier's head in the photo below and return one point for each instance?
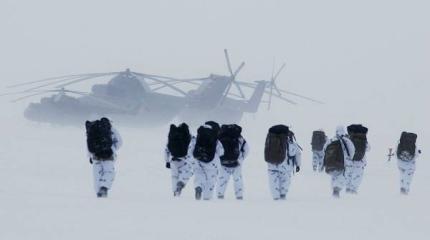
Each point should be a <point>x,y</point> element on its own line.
<point>340,131</point>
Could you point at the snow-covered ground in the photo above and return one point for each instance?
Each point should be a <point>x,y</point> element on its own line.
<point>367,60</point>
<point>46,192</point>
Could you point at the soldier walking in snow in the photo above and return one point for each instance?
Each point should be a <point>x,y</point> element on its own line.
<point>319,139</point>
<point>407,154</point>
<point>336,152</point>
<point>283,157</point>
<point>354,168</point>
<point>206,153</point>
<point>236,150</point>
<point>103,141</point>
<point>178,157</point>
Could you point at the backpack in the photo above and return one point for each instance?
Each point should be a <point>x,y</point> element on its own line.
<point>179,141</point>
<point>275,150</point>
<point>318,140</point>
<point>407,146</point>
<point>215,126</point>
<point>333,157</point>
<point>99,138</point>
<point>229,137</point>
<point>358,135</point>
<point>206,144</point>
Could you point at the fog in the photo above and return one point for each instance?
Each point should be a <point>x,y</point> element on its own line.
<point>368,61</point>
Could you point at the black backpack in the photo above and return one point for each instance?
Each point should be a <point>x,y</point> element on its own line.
<point>407,146</point>
<point>179,141</point>
<point>358,135</point>
<point>318,140</point>
<point>229,137</point>
<point>206,144</point>
<point>215,126</point>
<point>333,157</point>
<point>99,138</point>
<point>275,150</point>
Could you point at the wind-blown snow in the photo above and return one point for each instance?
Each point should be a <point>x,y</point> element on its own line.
<point>367,60</point>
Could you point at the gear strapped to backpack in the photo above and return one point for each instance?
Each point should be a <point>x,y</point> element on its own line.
<point>358,136</point>
<point>206,144</point>
<point>333,157</point>
<point>99,139</point>
<point>318,140</point>
<point>407,146</point>
<point>179,141</point>
<point>275,150</point>
<point>229,137</point>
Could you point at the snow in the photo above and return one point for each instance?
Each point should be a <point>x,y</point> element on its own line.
<point>367,60</point>
<point>47,193</point>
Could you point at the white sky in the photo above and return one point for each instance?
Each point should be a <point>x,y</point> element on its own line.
<point>369,60</point>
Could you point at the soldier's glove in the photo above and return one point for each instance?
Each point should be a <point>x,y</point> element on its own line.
<point>91,160</point>
<point>167,165</point>
<point>419,151</point>
<point>297,169</point>
<point>314,167</point>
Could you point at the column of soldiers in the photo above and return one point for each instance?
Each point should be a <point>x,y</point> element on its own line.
<point>217,153</point>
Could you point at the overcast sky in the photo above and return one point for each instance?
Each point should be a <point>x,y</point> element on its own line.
<point>368,60</point>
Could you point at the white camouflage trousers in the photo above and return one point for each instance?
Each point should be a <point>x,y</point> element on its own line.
<point>104,173</point>
<point>224,176</point>
<point>338,179</point>
<point>181,171</point>
<point>279,178</point>
<point>354,171</point>
<point>317,160</point>
<point>407,170</point>
<point>205,176</point>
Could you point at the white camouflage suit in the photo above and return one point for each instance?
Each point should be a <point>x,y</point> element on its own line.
<point>225,173</point>
<point>280,174</point>
<point>338,179</point>
<point>181,169</point>
<point>407,170</point>
<point>354,171</point>
<point>104,170</point>
<point>317,160</point>
<point>205,174</point>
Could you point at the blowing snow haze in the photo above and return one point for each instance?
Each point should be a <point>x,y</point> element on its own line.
<point>367,60</point>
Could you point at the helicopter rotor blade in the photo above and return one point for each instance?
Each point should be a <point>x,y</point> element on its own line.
<point>227,58</point>
<point>279,71</point>
<point>164,83</point>
<point>58,79</point>
<point>301,96</point>
<point>282,98</point>
<point>242,95</point>
<point>238,70</point>
<point>80,80</point>
<point>276,89</point>
<point>270,97</point>
<point>27,96</point>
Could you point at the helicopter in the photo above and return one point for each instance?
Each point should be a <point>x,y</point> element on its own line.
<point>137,99</point>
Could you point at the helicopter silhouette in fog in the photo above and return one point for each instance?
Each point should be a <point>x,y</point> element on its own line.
<point>138,99</point>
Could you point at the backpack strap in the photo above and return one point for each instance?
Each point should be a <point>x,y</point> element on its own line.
<point>346,146</point>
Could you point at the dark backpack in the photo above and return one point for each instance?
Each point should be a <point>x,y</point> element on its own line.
<point>358,135</point>
<point>179,141</point>
<point>333,157</point>
<point>215,126</point>
<point>407,146</point>
<point>275,150</point>
<point>206,144</point>
<point>99,138</point>
<point>318,140</point>
<point>229,137</point>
